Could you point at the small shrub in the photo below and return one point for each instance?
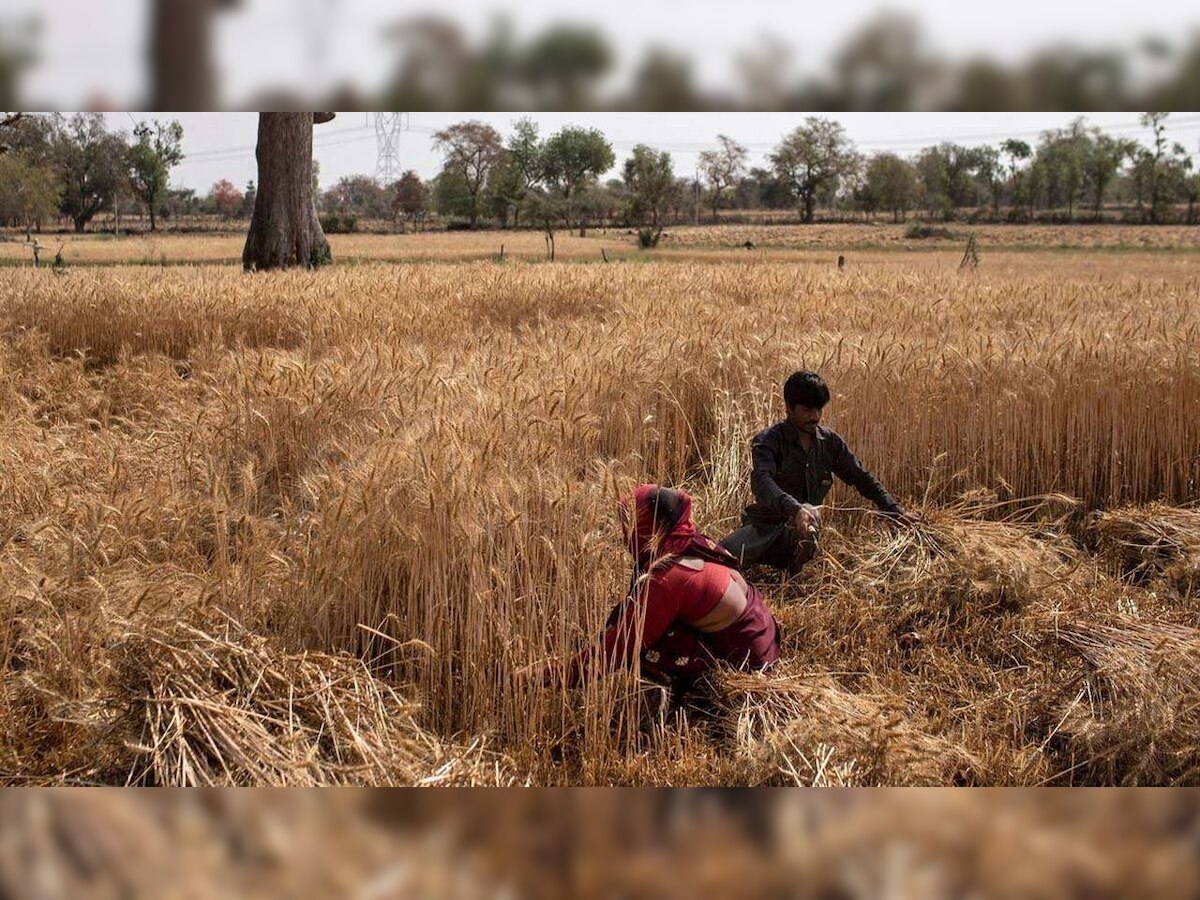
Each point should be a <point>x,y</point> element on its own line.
<point>919,231</point>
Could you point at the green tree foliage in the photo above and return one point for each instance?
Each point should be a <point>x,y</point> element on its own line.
<point>891,184</point>
<point>470,151</point>
<point>1104,159</point>
<point>649,185</point>
<point>156,150</point>
<point>503,191</point>
<point>29,191</point>
<point>452,196</point>
<point>571,160</point>
<point>1151,164</point>
<point>812,159</point>
<point>1064,153</point>
<point>92,165</point>
<point>525,163</point>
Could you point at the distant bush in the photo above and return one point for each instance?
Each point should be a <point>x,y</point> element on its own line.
<point>918,232</point>
<point>335,223</point>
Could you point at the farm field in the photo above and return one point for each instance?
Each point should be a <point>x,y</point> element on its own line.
<point>687,243</point>
<point>896,236</point>
<point>304,528</point>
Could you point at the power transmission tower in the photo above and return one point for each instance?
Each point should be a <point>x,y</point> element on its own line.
<point>388,126</point>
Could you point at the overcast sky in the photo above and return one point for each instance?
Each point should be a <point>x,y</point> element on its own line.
<point>221,145</point>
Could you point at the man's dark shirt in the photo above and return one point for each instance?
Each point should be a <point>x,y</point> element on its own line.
<point>784,475</point>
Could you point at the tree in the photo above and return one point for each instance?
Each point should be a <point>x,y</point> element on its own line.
<point>30,132</point>
<point>225,199</point>
<point>92,166</point>
<point>572,159</point>
<point>765,189</point>
<point>1189,181</point>
<point>284,228</point>
<point>990,172</point>
<point>649,183</point>
<point>546,209</point>
<point>811,158</point>
<point>722,168</point>
<point>470,151</point>
<point>891,183</point>
<point>1064,153</point>
<point>930,167</point>
<point>525,160</point>
<point>1156,121</point>
<point>451,196</point>
<point>1180,181</point>
<point>157,150</point>
<point>501,191</point>
<point>1017,151</point>
<point>412,197</point>
<point>1104,159</point>
<point>358,195</point>
<point>248,198</point>
<point>29,193</point>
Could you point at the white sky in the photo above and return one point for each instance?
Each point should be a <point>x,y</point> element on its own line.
<point>221,145</point>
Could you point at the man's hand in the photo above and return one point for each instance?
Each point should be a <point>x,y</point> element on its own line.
<point>808,520</point>
<point>906,520</point>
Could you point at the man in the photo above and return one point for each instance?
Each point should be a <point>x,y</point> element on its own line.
<point>794,462</point>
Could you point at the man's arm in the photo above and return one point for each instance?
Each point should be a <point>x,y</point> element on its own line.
<point>767,491</point>
<point>847,467</point>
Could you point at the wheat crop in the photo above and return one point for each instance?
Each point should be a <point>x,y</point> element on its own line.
<point>399,481</point>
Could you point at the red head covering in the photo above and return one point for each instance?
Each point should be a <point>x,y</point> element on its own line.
<point>661,520</point>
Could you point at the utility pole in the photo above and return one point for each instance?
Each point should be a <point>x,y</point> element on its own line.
<point>696,196</point>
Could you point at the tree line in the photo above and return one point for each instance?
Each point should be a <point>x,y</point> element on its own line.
<point>73,168</point>
<point>1069,174</point>
<point>1074,173</point>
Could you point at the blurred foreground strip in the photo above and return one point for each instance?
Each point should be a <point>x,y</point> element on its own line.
<point>600,843</point>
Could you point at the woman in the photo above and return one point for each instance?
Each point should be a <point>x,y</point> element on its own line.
<point>688,607</point>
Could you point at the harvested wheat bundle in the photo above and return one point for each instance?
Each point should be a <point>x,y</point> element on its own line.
<point>950,581</point>
<point>1135,719</point>
<point>229,708</point>
<point>972,564</point>
<point>1147,542</point>
<point>800,729</point>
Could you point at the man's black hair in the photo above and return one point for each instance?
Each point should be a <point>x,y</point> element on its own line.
<point>806,388</point>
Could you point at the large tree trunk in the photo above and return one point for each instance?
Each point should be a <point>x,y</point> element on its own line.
<point>284,229</point>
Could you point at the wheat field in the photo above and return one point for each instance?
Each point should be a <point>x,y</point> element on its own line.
<point>304,528</point>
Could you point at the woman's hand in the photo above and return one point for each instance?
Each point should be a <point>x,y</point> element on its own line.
<point>544,672</point>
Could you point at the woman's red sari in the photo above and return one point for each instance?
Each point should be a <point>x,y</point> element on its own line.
<point>667,596</point>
